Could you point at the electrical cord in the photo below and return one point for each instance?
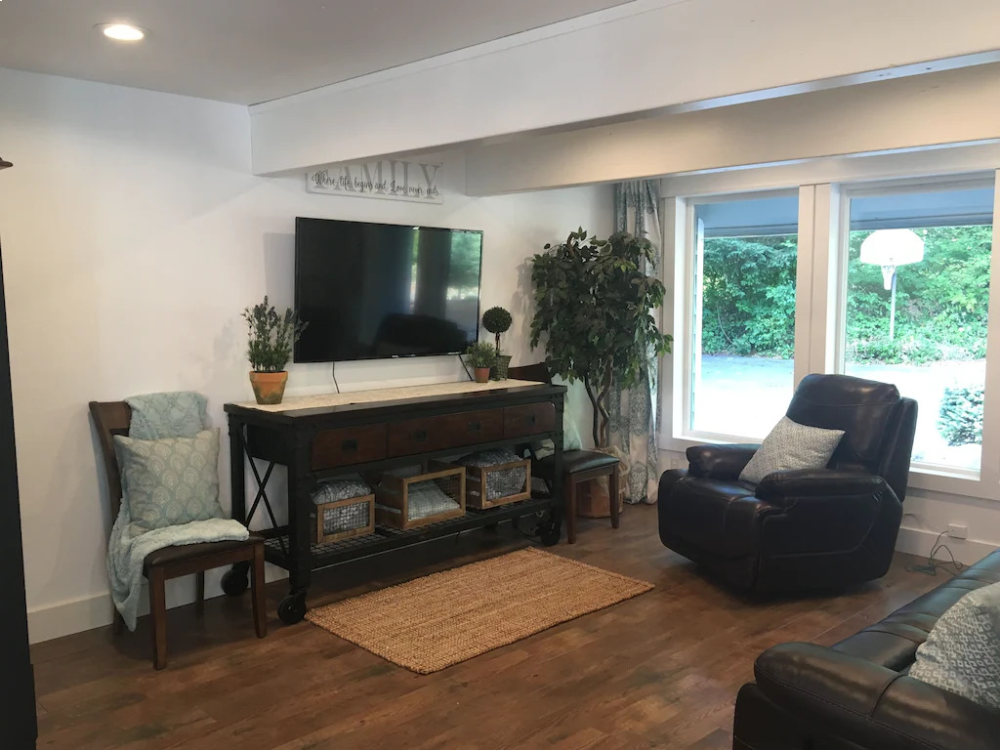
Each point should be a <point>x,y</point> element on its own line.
<point>932,566</point>
<point>466,367</point>
<point>334,373</point>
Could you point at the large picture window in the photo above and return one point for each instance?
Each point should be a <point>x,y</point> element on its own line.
<point>916,310</point>
<point>832,268</point>
<point>742,322</point>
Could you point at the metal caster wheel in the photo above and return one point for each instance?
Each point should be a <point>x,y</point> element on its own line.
<point>235,581</point>
<point>292,609</point>
<point>549,533</point>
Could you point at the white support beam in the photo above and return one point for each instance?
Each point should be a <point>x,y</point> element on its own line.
<point>951,107</point>
<point>648,56</point>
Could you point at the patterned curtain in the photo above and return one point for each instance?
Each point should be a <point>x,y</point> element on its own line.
<point>634,420</point>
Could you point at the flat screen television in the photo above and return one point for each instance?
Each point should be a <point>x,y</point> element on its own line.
<point>374,291</point>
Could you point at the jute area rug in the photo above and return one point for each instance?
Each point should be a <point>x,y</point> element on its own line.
<point>431,623</point>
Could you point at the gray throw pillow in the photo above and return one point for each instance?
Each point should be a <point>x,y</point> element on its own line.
<point>792,446</point>
<point>962,651</point>
<point>170,481</point>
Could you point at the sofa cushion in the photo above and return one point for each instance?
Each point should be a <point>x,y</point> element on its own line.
<point>962,651</point>
<point>791,446</point>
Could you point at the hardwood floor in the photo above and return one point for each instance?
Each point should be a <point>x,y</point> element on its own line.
<point>658,671</point>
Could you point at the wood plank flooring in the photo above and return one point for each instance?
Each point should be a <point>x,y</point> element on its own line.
<point>658,671</point>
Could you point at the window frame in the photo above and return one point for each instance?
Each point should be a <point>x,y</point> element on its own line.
<point>825,188</point>
<point>985,482</point>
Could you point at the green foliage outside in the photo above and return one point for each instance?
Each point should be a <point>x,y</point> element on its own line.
<point>960,421</point>
<point>941,302</point>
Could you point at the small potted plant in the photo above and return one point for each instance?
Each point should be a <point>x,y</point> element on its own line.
<point>481,356</point>
<point>497,321</point>
<point>270,339</point>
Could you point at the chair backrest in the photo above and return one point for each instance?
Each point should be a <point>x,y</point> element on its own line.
<point>111,418</point>
<point>878,424</point>
<point>537,373</point>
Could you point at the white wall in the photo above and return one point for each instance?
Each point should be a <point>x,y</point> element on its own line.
<point>133,235</point>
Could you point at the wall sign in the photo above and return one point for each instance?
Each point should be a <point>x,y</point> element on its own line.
<point>389,179</point>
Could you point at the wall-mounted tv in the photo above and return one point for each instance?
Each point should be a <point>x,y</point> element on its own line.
<point>373,291</point>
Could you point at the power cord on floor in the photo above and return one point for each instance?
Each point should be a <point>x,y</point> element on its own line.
<point>932,566</point>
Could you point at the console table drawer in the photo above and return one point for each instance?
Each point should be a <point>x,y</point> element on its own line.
<point>348,445</point>
<point>447,431</point>
<point>530,419</point>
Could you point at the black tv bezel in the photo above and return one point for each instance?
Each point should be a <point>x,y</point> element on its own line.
<point>295,281</point>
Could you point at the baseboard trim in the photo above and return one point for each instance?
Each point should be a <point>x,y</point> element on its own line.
<point>66,618</point>
<point>920,541</point>
<point>96,611</point>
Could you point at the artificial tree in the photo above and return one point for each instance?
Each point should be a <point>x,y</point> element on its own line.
<point>497,321</point>
<point>594,301</point>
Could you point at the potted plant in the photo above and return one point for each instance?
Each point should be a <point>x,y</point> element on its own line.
<point>497,321</point>
<point>481,357</point>
<point>270,339</point>
<point>594,302</point>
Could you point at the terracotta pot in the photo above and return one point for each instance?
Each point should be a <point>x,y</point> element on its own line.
<point>482,374</point>
<point>268,387</point>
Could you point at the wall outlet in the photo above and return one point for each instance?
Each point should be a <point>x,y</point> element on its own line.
<point>958,531</point>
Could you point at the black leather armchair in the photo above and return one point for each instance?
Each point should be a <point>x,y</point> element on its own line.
<point>798,530</point>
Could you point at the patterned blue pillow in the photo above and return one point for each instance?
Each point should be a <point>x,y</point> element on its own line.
<point>962,651</point>
<point>171,481</point>
<point>167,415</point>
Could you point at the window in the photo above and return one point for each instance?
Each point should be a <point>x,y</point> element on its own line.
<point>740,324</point>
<point>825,270</point>
<point>915,309</point>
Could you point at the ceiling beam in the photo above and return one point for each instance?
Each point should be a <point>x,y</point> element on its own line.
<point>646,57</point>
<point>952,107</point>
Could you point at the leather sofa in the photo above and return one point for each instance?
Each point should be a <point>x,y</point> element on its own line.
<point>857,695</point>
<point>807,529</point>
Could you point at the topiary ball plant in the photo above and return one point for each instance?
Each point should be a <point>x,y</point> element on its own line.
<point>497,321</point>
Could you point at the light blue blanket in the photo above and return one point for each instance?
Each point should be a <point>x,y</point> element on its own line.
<point>129,547</point>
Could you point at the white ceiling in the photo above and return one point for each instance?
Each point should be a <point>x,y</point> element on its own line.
<point>249,51</point>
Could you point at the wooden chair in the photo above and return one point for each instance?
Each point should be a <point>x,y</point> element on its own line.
<point>578,466</point>
<point>113,418</point>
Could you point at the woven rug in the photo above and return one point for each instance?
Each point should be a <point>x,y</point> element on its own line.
<point>431,623</point>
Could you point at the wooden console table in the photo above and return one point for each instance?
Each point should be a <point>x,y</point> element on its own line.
<point>319,438</point>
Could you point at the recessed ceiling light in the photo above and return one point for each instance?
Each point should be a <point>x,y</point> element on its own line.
<point>122,32</point>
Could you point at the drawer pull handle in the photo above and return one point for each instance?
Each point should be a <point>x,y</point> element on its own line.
<point>420,436</point>
<point>475,426</point>
<point>532,419</point>
<point>349,446</point>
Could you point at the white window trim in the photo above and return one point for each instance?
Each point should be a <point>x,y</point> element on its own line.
<point>818,331</point>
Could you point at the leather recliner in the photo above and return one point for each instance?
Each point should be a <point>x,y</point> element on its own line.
<point>801,529</point>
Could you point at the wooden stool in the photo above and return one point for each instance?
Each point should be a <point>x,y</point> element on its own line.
<point>578,467</point>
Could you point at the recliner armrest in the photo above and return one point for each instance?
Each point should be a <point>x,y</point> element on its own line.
<point>719,461</point>
<point>871,705</point>
<point>801,483</point>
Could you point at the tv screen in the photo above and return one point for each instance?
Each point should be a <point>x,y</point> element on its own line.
<point>372,291</point>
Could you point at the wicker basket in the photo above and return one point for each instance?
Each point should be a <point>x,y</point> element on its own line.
<point>402,498</point>
<point>343,519</point>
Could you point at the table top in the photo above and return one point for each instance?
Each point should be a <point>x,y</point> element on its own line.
<point>330,403</point>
